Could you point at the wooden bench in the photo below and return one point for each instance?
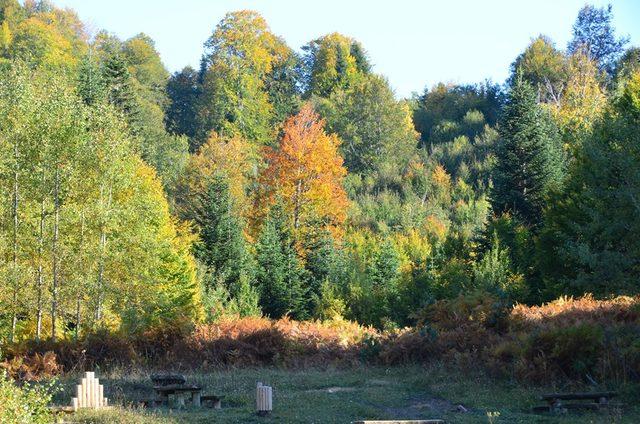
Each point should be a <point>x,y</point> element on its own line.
<point>594,401</point>
<point>213,401</point>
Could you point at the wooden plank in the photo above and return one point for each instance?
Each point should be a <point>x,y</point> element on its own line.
<point>399,422</point>
<point>167,379</point>
<point>176,387</point>
<point>62,409</point>
<point>578,396</point>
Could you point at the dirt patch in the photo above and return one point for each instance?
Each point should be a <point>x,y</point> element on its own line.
<point>336,389</point>
<point>421,407</point>
<point>379,383</point>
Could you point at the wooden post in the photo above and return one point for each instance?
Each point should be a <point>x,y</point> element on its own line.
<point>84,397</point>
<point>90,389</point>
<point>264,402</point>
<point>79,395</point>
<point>195,399</point>
<point>74,403</point>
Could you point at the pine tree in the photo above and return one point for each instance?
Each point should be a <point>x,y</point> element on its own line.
<point>223,248</point>
<point>91,85</point>
<point>120,92</point>
<point>529,156</point>
<point>280,274</point>
<point>589,243</point>
<point>319,264</point>
<point>183,90</point>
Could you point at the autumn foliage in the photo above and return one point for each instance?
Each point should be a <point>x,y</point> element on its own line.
<point>306,173</point>
<point>568,340</point>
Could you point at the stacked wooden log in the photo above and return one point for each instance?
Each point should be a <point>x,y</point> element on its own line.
<point>89,393</point>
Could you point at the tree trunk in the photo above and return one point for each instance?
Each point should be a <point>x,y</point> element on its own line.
<point>14,318</point>
<point>79,296</point>
<point>40,275</point>
<point>103,249</point>
<point>56,259</point>
<point>296,209</point>
<point>103,242</point>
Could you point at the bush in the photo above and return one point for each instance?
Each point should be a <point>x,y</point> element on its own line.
<point>568,339</point>
<point>24,405</point>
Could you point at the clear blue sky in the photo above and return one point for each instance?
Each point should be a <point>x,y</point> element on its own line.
<point>415,43</point>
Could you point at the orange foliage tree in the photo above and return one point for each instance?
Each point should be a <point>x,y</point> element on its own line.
<point>306,173</point>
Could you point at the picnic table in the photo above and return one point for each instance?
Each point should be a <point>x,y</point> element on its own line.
<point>594,401</point>
<point>172,390</point>
<point>177,394</point>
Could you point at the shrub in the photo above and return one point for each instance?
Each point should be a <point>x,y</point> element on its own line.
<point>24,405</point>
<point>564,340</point>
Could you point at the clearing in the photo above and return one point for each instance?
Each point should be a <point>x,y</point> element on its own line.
<point>340,396</point>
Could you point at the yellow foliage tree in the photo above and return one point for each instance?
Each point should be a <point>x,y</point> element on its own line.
<point>583,101</point>
<point>231,157</point>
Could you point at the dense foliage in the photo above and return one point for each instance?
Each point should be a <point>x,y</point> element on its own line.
<point>273,183</point>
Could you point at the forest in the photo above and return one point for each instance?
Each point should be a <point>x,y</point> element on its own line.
<point>285,184</point>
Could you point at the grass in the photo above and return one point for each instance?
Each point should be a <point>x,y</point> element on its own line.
<point>338,396</point>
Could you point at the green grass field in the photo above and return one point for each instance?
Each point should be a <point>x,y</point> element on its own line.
<point>340,396</point>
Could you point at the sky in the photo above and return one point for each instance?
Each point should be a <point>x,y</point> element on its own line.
<point>414,43</point>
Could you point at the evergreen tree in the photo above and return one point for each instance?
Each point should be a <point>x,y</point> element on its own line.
<point>91,85</point>
<point>280,273</point>
<point>319,263</point>
<point>223,248</point>
<point>120,92</point>
<point>589,243</point>
<point>182,90</point>
<point>529,156</point>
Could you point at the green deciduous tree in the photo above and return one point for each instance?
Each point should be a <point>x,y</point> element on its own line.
<point>594,34</point>
<point>374,127</point>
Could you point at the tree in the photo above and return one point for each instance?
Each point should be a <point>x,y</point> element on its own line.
<point>91,85</point>
<point>146,68</point>
<point>582,103</point>
<point>232,158</point>
<point>544,67</point>
<point>444,106</point>
<point>333,62</point>
<point>375,128</point>
<point>95,240</point>
<point>593,33</point>
<point>589,243</point>
<point>529,158</point>
<point>120,91</point>
<point>306,174</point>
<point>183,91</point>
<point>237,79</point>
<point>628,64</point>
<point>223,246</point>
<point>280,273</point>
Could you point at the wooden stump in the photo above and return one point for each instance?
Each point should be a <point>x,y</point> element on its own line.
<point>195,400</point>
<point>264,399</point>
